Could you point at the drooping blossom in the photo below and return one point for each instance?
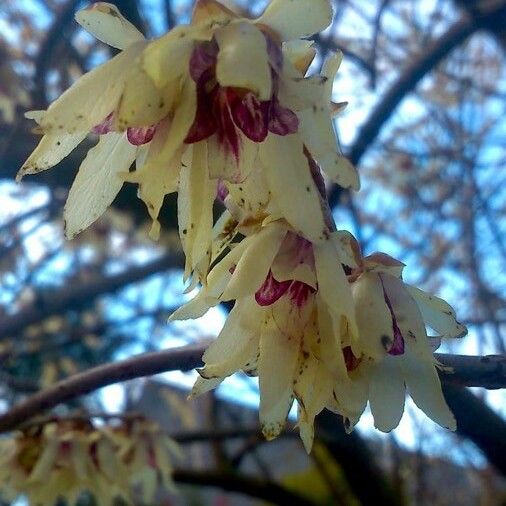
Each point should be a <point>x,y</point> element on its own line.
<point>292,316</point>
<point>394,353</point>
<point>66,458</point>
<point>96,103</point>
<point>60,461</point>
<point>208,101</point>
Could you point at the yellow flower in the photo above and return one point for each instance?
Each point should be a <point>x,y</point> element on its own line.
<point>62,460</point>
<point>393,352</point>
<point>213,100</point>
<point>68,457</point>
<point>146,454</point>
<point>91,104</point>
<point>292,316</point>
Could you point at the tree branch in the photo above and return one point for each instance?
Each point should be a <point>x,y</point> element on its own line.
<point>429,58</point>
<point>477,422</point>
<point>188,357</point>
<point>69,297</point>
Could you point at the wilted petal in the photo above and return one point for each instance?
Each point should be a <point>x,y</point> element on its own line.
<point>295,19</point>
<point>243,61</point>
<point>437,314</point>
<point>97,183</point>
<point>92,97</point>
<point>106,23</point>
<point>286,166</point>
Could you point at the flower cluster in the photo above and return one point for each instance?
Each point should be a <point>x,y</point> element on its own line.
<point>224,108</point>
<point>65,458</point>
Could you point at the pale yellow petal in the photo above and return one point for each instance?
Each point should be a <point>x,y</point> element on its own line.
<point>155,180</point>
<point>300,53</point>
<point>106,23</point>
<point>180,124</point>
<point>195,207</point>
<point>387,393</point>
<point>276,372</point>
<point>92,97</point>
<point>51,149</point>
<point>142,103</point>
<point>418,364</point>
<point>253,267</point>
<point>295,19</point>
<point>334,290</point>
<point>374,320</point>
<point>437,314</point>
<point>211,12</point>
<point>167,59</point>
<point>236,343</point>
<point>243,61</point>
<point>97,183</point>
<point>286,167</point>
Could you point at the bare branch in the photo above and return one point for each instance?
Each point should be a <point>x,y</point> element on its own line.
<point>429,58</point>
<point>489,370</point>
<point>147,364</point>
<point>69,297</point>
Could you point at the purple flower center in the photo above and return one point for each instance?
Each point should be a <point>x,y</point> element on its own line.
<point>397,346</point>
<point>272,290</point>
<point>229,111</point>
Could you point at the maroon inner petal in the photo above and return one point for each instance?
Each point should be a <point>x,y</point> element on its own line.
<point>204,125</point>
<point>275,53</point>
<point>250,115</point>
<point>397,347</point>
<point>300,292</point>
<point>282,121</point>
<point>228,135</point>
<point>271,290</point>
<point>350,360</point>
<point>203,58</point>
<point>140,135</point>
<point>105,126</point>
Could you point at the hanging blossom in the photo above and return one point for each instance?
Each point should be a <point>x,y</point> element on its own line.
<point>248,106</point>
<point>394,353</point>
<point>292,316</point>
<point>66,458</point>
<point>208,101</point>
<point>94,104</point>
